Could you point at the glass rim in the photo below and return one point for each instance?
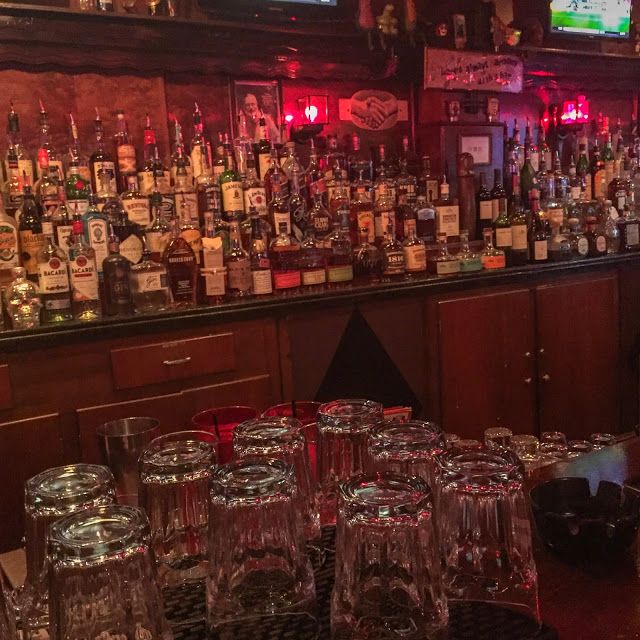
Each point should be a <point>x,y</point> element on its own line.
<point>405,439</point>
<point>349,414</point>
<point>180,452</point>
<point>110,429</point>
<point>249,478</point>
<point>498,431</point>
<point>269,431</point>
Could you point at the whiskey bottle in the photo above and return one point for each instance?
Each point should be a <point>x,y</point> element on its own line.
<point>334,157</point>
<point>361,210</point>
<point>153,173</point>
<point>595,237</point>
<point>313,262</point>
<point>16,151</point>
<point>83,274</point>
<point>12,188</point>
<point>284,253</point>
<point>254,191</point>
<point>54,164</point>
<point>178,152</point>
<point>53,279</point>
<point>185,193</point>
<point>263,151</point>
<point>340,257</point>
<point>136,205</point>
<point>519,252</point>
<point>582,172</point>
<point>444,264</point>
<point>182,268</point>
<point>76,187</point>
<point>561,181</point>
<point>415,255</point>
<point>239,279</point>
<point>231,188</point>
<point>96,232</point>
<point>425,220</point>
<point>577,240</point>
<point>101,161</point>
<point>485,205</point>
<point>337,190</point>
<point>427,182</point>
<point>190,231</point>
<point>629,228</point>
<point>383,178</point>
<point>274,175</point>
<point>117,287</point>
<point>316,184</point>
<point>157,236</point>
<point>469,261</point>
<point>47,186</point>
<point>30,231</point>
<point>407,217</point>
<point>359,164</point>
<point>298,210</point>
<point>278,205</point>
<point>198,143</point>
<point>393,261</point>
<point>319,217</point>
<point>207,190</point>
<point>538,236</point>
<point>367,260</point>
<point>491,257</point>
<point>502,231</point>
<point>447,211</point>
<point>218,164</point>
<point>149,285</point>
<point>125,151</point>
<point>406,184</point>
<point>384,212</point>
<point>261,283</point>
<point>9,250</point>
<point>598,174</point>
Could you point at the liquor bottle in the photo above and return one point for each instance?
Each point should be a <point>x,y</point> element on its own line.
<point>519,252</point>
<point>447,211</point>
<point>425,220</point>
<point>284,253</point>
<point>415,254</point>
<point>76,187</point>
<point>315,178</point>
<point>444,264</point>
<point>158,235</point>
<point>125,151</point>
<point>561,181</point>
<point>531,148</point>
<point>101,161</point>
<point>595,237</point>
<point>198,143</point>
<point>427,182</point>
<point>207,190</point>
<point>47,186</point>
<point>62,226</point>
<point>117,286</point>
<point>219,165</point>
<point>149,285</point>
<point>76,155</point>
<point>559,246</point>
<point>393,261</point>
<point>53,279</point>
<point>406,184</point>
<point>582,171</point>
<point>253,190</point>
<point>290,161</point>
<point>360,165</point>
<point>575,183</point>
<point>153,173</point>
<point>383,178</point>
<point>337,190</point>
<point>361,210</point>
<point>190,231</point>
<point>83,274</point>
<point>278,206</point>
<point>16,151</point>
<point>554,210</point>
<point>518,149</point>
<point>544,150</point>
<point>612,230</point>
<point>231,188</point>
<point>319,217</point>
<point>469,261</point>
<point>407,217</point>
<point>30,231</point>
<point>332,158</point>
<point>598,174</point>
<point>313,261</point>
<point>629,226</point>
<point>491,257</point>
<point>185,194</point>
<point>96,232</point>
<point>498,193</point>
<point>179,153</point>
<point>261,283</point>
<point>538,236</point>
<point>609,160</point>
<point>298,210</point>
<point>109,203</point>
<point>384,213</point>
<point>617,191</point>
<point>22,301</point>
<point>502,233</point>
<point>577,240</point>
<point>9,250</point>
<point>273,174</point>
<point>136,206</point>
<point>367,260</point>
<point>243,146</point>
<point>528,176</point>
<point>54,161</point>
<point>485,205</point>
<point>12,188</point>
<point>340,257</point>
<point>511,171</point>
<point>182,268</point>
<point>263,151</point>
<point>239,280</point>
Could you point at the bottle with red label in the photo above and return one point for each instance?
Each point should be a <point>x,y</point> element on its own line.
<point>83,275</point>
<point>53,279</point>
<point>284,253</point>
<point>492,258</point>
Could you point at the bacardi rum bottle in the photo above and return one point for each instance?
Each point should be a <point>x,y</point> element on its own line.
<point>85,298</point>
<point>53,279</point>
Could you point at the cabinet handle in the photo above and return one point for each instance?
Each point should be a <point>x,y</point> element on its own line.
<point>170,363</point>
<point>546,377</point>
<point>527,380</point>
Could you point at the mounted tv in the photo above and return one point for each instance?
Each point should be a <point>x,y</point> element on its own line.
<point>606,18</point>
<point>277,10</point>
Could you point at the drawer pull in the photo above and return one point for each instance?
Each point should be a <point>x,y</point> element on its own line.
<point>171,363</point>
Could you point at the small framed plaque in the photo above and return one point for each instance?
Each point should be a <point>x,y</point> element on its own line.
<point>478,146</point>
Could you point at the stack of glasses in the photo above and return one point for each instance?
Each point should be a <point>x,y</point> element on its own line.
<point>423,522</point>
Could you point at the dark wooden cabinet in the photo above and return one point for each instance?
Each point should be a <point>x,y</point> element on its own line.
<point>578,353</point>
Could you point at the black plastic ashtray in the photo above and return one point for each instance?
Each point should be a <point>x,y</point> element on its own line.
<point>573,522</point>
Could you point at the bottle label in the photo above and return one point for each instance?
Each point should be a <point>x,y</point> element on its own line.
<point>519,237</point>
<point>535,160</point>
<point>471,264</point>
<point>8,247</point>
<point>409,225</point>
<point>232,198</point>
<point>340,273</point>
<point>601,244</point>
<point>168,206</point>
<point>448,220</point>
<point>97,232</point>
<point>138,210</point>
<point>540,250</point>
<point>486,209</point>
<point>633,234</point>
<point>108,169</point>
<point>53,276</point>
<point>157,241</point>
<point>317,186</point>
<point>84,279</point>
<point>261,280</point>
<point>599,184</point>
<point>187,201</point>
<point>64,237</point>
<point>365,219</point>
<point>555,217</point>
<point>56,169</point>
<point>394,263</point>
<point>432,190</point>
<point>382,221</point>
<point>447,267</point>
<point>127,158</point>
<point>51,204</point>
<point>194,238</point>
<point>415,257</point>
<point>278,218</point>
<point>583,246</point>
<point>321,225</point>
<point>214,284</point>
<point>239,274</point>
<point>493,262</point>
<point>576,192</point>
<point>314,276</point>
<point>30,245</point>
<point>149,281</point>
<point>131,248</point>
<point>503,237</point>
<point>264,162</point>
<point>208,198</point>
<point>25,166</point>
<point>286,279</point>
<point>620,200</point>
<point>78,206</point>
<point>196,160</point>
<point>256,197</point>
<point>147,183</point>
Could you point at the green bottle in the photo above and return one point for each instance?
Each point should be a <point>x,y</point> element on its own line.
<point>527,176</point>
<point>76,188</point>
<point>231,187</point>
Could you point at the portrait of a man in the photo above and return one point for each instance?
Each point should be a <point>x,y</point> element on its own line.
<point>256,100</point>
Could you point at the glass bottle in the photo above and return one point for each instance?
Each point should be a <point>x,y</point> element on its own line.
<point>316,184</point>
<point>338,191</point>
<point>178,153</point>
<point>319,217</point>
<point>617,191</point>
<point>598,174</point>
<point>538,236</point>
<point>190,231</point>
<point>9,248</point>
<point>117,286</point>
<point>582,173</point>
<point>53,279</point>
<point>125,151</point>
<point>76,188</point>
<point>361,210</point>
<point>47,186</point>
<point>182,268</point>
<point>12,189</point>
<point>360,165</point>
<point>393,261</point>
<point>534,154</point>
<point>238,265</point>
<point>185,193</point>
<point>54,162</point>
<point>83,274</point>
<point>129,236</point>
<point>559,246</point>
<point>519,252</point>
<point>298,211</point>
<point>218,164</point>
<point>62,226</point>
<point>407,216</point>
<point>75,153</point>
<point>491,257</point>
<point>136,205</point>
<point>485,203</point>
<point>231,188</point>
<point>313,261</point>
<point>518,149</point>
<point>629,226</point>
<point>609,161</point>
<point>340,257</point>
<point>158,235</point>
<point>527,177</point>
<point>406,184</point>
<point>207,190</point>
<point>415,255</point>
<point>16,150</point>
<point>275,177</point>
<point>499,195</point>
<point>109,203</point>
<point>444,263</point>
<point>284,253</point>
<point>468,260</point>
<point>384,212</point>
<point>149,285</point>
<point>561,181</point>
<point>30,231</point>
<point>577,240</point>
<point>96,232</point>
<point>254,191</point>
<point>153,173</point>
<point>334,157</point>
<point>198,143</point>
<point>278,206</point>
<point>23,301</point>
<point>290,161</point>
<point>425,220</point>
<point>596,238</point>
<point>101,161</point>
<point>263,151</point>
<point>544,150</point>
<point>260,263</point>
<point>367,260</point>
<point>502,231</point>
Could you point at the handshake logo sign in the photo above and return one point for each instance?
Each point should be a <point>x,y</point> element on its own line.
<point>374,110</point>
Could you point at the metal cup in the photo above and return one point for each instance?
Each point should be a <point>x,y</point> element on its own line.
<point>121,442</point>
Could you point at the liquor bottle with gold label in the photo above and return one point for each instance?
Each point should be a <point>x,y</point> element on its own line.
<point>361,210</point>
<point>231,188</point>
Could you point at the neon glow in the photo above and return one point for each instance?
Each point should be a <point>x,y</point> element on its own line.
<point>311,112</point>
<point>575,111</point>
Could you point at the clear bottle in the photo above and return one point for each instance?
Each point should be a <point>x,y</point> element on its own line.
<point>559,246</point>
<point>338,190</point>
<point>54,161</point>
<point>361,210</point>
<point>278,206</point>
<point>83,275</point>
<point>319,217</point>
<point>274,178</point>
<point>182,268</point>
<point>198,143</point>
<point>314,176</point>
<point>340,257</point>
<point>16,150</point>
<point>149,285</point>
<point>393,261</point>
<point>254,191</point>
<point>384,212</point>
<point>179,152</point>
<point>96,232</point>
<point>153,173</point>
<point>239,281</point>
<point>562,181</point>
<point>313,262</point>
<point>136,205</point>
<point>290,162</point>
<point>406,184</point>
<point>185,193</point>
<point>491,257</point>
<point>298,210</point>
<point>469,261</point>
<point>444,264</point>
<point>415,255</point>
<point>384,177</point>
<point>30,231</point>
<point>577,240</point>
<point>109,203</point>
<point>53,279</point>
<point>125,151</point>
<point>76,156</point>
<point>360,165</point>
<point>62,226</point>
<point>23,301</point>
<point>260,263</point>
<point>532,149</point>
<point>101,161</point>
<point>47,187</point>
<point>12,189</point>
<point>117,284</point>
<point>284,253</point>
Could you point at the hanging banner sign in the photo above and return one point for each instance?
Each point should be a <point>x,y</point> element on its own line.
<point>471,71</point>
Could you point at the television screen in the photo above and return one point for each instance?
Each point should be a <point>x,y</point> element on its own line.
<point>591,17</point>
<point>326,3</point>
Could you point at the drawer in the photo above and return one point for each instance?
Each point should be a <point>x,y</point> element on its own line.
<point>174,360</point>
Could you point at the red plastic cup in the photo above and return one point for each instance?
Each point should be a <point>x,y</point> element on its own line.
<point>303,410</point>
<point>222,421</point>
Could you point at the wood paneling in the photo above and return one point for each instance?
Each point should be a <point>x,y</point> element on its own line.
<point>6,392</point>
<point>629,293</point>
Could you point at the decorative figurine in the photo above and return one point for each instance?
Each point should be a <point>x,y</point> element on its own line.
<point>387,26</point>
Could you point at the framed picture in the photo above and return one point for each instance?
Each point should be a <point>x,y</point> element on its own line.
<point>257,99</point>
<point>478,146</point>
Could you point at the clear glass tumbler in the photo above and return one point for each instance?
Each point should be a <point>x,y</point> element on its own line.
<point>222,421</point>
<point>174,481</point>
<point>102,577</point>
<point>405,447</point>
<point>282,439</point>
<point>600,440</point>
<point>49,496</point>
<point>579,448</point>
<point>527,448</point>
<point>342,447</point>
<point>7,617</point>
<point>484,529</point>
<point>498,437</point>
<point>259,572</point>
<point>388,579</point>
<point>553,445</point>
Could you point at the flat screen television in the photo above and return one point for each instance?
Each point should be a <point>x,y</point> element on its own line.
<point>607,18</point>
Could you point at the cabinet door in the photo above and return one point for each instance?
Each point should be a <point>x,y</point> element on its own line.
<point>487,370</point>
<point>578,356</point>
<point>27,447</point>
